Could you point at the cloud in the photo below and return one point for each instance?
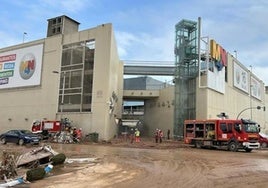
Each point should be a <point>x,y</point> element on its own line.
<point>145,47</point>
<point>124,41</point>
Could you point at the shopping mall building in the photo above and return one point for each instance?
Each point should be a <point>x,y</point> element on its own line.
<point>78,75</point>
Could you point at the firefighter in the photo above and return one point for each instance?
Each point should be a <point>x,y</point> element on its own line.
<point>168,134</point>
<point>161,134</point>
<point>137,135</point>
<point>74,134</point>
<point>79,133</point>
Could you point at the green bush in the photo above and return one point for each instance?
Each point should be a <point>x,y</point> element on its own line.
<point>35,174</point>
<point>58,159</point>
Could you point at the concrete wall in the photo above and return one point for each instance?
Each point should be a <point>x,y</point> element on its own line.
<point>107,79</point>
<point>159,112</point>
<point>201,102</point>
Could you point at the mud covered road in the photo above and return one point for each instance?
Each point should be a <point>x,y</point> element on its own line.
<point>157,166</point>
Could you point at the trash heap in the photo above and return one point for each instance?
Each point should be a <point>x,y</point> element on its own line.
<point>8,166</point>
<point>39,163</point>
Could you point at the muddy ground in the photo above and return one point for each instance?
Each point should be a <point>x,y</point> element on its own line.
<point>170,164</point>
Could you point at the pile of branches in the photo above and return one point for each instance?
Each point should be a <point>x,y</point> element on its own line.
<point>8,166</point>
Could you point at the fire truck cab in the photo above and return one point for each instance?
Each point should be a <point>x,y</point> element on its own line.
<point>222,133</point>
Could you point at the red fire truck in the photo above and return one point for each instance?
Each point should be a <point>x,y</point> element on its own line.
<point>46,128</point>
<point>222,133</point>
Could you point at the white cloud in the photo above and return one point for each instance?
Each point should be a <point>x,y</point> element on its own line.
<point>124,42</point>
<point>146,47</point>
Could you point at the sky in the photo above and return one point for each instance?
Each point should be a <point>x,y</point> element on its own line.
<point>145,29</point>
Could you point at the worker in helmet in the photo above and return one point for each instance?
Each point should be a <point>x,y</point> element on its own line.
<point>161,135</point>
<point>137,135</point>
<point>79,133</point>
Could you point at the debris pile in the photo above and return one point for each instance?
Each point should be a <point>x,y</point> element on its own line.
<point>39,163</point>
<point>8,166</point>
<point>34,164</point>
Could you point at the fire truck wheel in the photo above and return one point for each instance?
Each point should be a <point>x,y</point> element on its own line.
<point>21,142</point>
<point>233,146</point>
<point>264,145</point>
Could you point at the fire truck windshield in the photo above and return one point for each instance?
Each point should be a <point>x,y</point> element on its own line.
<point>251,128</point>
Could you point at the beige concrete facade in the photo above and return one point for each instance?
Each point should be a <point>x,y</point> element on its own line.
<point>159,112</point>
<point>21,105</point>
<point>210,103</point>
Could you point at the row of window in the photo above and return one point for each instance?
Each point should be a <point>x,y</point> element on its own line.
<point>77,77</point>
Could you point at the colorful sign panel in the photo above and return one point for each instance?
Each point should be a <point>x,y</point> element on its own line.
<point>216,71</point>
<point>241,78</point>
<point>218,54</point>
<point>21,67</point>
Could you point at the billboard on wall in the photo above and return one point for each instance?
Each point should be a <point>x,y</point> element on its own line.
<point>216,70</point>
<point>21,67</point>
<point>241,78</point>
<point>255,88</point>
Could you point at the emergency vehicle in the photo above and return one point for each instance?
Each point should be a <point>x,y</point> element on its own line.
<point>46,128</point>
<point>222,133</point>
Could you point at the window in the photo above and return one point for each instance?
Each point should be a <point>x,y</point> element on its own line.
<point>223,127</point>
<point>66,57</point>
<point>226,128</point>
<point>59,20</point>
<point>58,29</point>
<point>76,79</point>
<point>77,64</point>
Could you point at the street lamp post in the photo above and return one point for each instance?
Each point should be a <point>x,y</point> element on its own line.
<point>235,52</point>
<point>23,37</point>
<point>250,92</point>
<point>250,108</point>
<point>63,89</point>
